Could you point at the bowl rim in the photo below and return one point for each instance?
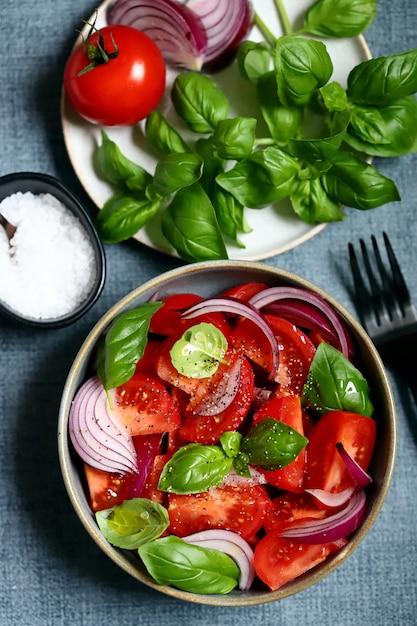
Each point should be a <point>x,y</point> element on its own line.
<point>87,517</point>
<point>75,206</point>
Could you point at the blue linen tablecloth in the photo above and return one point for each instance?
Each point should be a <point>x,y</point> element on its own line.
<point>51,572</point>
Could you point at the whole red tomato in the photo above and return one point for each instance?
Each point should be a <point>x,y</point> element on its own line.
<point>123,87</point>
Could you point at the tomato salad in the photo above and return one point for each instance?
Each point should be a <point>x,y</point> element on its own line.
<point>226,440</point>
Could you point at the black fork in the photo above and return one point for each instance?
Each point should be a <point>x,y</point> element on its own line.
<point>385,308</point>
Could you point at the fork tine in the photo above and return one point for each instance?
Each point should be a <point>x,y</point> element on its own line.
<point>376,299</point>
<point>400,286</point>
<point>361,290</point>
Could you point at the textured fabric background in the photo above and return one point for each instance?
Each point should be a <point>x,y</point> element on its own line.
<point>51,573</point>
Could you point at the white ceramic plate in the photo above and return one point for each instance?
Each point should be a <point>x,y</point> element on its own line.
<point>276,228</point>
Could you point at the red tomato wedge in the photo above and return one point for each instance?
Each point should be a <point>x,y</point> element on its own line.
<point>106,489</point>
<point>144,406</point>
<point>325,468</point>
<point>290,507</point>
<point>245,291</point>
<point>166,320</point>
<point>285,409</point>
<point>296,351</point>
<point>239,508</point>
<point>207,429</point>
<point>278,560</point>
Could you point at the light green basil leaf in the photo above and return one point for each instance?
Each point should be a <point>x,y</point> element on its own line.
<point>272,444</point>
<point>333,382</point>
<point>112,166</point>
<point>322,148</point>
<point>173,561</point>
<point>200,350</point>
<point>199,101</point>
<point>397,124</point>
<point>254,59</point>
<point>162,136</point>
<point>334,96</point>
<point>175,171</point>
<point>123,215</point>
<point>213,164</point>
<point>133,522</point>
<point>357,184</point>
<point>234,138</point>
<point>341,18</point>
<point>385,79</point>
<point>190,225</point>
<point>230,442</point>
<point>302,67</point>
<point>263,177</point>
<point>124,344</point>
<point>284,121</point>
<point>368,124</point>
<point>194,468</point>
<point>311,203</point>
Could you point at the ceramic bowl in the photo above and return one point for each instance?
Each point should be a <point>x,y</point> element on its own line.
<point>38,183</point>
<point>209,279</point>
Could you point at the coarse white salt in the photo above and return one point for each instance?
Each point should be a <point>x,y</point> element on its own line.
<point>49,269</point>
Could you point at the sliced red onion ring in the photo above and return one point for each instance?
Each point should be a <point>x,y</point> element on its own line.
<point>274,295</point>
<point>357,473</point>
<point>331,528</point>
<point>231,544</point>
<point>329,499</point>
<point>237,307</point>
<point>256,478</point>
<point>147,447</point>
<point>95,434</point>
<point>175,29</point>
<point>226,25</point>
<point>223,396</point>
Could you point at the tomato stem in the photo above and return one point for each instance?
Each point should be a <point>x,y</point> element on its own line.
<point>96,52</point>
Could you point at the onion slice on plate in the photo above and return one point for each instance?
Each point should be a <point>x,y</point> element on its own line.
<point>332,528</point>
<point>237,307</point>
<point>231,544</point>
<point>175,29</point>
<point>309,308</point>
<point>95,433</point>
<point>226,24</point>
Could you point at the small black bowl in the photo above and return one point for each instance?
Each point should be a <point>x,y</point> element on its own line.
<point>38,183</point>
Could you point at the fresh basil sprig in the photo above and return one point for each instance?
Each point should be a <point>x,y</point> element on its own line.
<point>133,522</point>
<point>200,350</point>
<point>124,344</point>
<point>344,18</point>
<point>333,382</point>
<point>194,468</point>
<point>272,444</point>
<point>173,561</point>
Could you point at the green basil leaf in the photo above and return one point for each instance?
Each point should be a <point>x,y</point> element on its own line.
<point>241,464</point>
<point>189,223</point>
<point>368,123</point>
<point>230,442</point>
<point>133,522</point>
<point>341,18</point>
<point>311,203</point>
<point>173,561</point>
<point>385,79</point>
<point>162,136</point>
<point>199,102</point>
<point>272,444</point>
<point>322,149</point>
<point>200,350</point>
<point>175,171</point>
<point>194,468</point>
<point>213,164</point>
<point>124,344</point>
<point>396,123</point>
<point>358,184</point>
<point>284,121</point>
<point>123,215</point>
<point>334,96</point>
<point>302,67</point>
<point>263,177</point>
<point>254,59</point>
<point>116,169</point>
<point>234,138</point>
<point>333,382</point>
<point>230,215</point>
